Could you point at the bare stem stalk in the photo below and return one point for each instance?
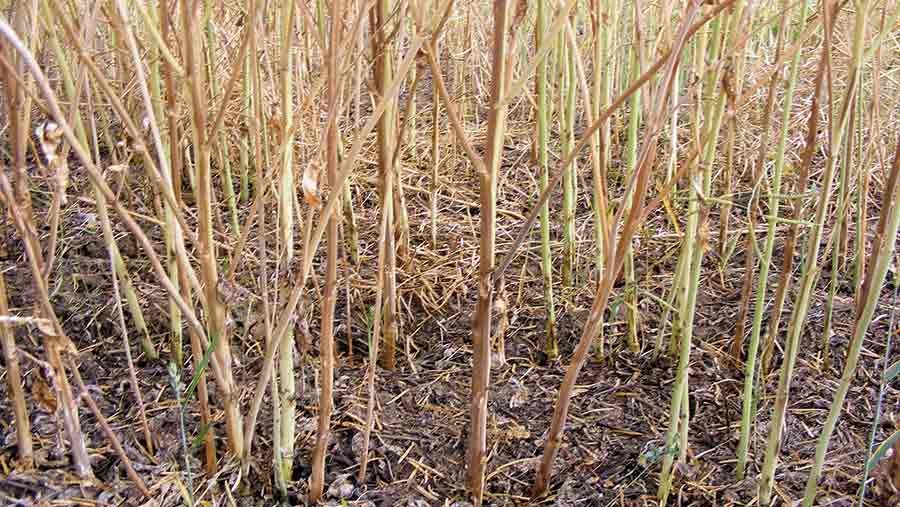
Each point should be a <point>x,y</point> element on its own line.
<point>24,442</point>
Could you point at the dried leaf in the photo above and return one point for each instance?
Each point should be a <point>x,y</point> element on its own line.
<point>231,293</point>
<point>311,186</point>
<point>41,392</point>
<point>45,327</point>
<point>517,432</point>
<point>62,180</point>
<point>275,126</point>
<point>519,397</point>
<point>49,135</point>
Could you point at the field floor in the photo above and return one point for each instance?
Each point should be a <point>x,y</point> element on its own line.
<point>614,439</point>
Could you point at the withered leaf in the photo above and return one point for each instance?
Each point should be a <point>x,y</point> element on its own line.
<point>311,186</point>
<point>41,392</point>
